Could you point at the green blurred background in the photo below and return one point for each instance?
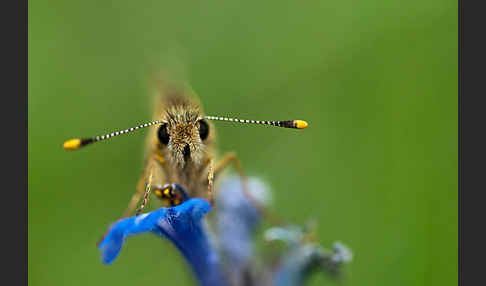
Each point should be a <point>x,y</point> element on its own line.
<point>377,167</point>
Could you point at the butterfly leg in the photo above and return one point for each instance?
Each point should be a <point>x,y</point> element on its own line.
<point>232,158</point>
<point>142,188</point>
<point>211,181</point>
<point>147,192</point>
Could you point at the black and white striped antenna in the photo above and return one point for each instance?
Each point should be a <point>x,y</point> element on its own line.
<point>76,143</point>
<point>297,124</point>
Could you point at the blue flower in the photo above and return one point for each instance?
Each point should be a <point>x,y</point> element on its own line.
<point>183,226</point>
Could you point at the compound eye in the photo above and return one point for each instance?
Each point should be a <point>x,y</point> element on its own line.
<point>203,129</point>
<point>163,135</point>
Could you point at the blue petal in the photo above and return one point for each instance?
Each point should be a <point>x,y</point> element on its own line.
<point>183,226</point>
<point>237,219</point>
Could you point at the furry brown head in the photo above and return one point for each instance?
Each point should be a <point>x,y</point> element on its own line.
<point>184,132</point>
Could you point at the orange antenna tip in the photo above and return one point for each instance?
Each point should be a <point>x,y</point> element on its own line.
<point>300,124</point>
<point>72,144</point>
